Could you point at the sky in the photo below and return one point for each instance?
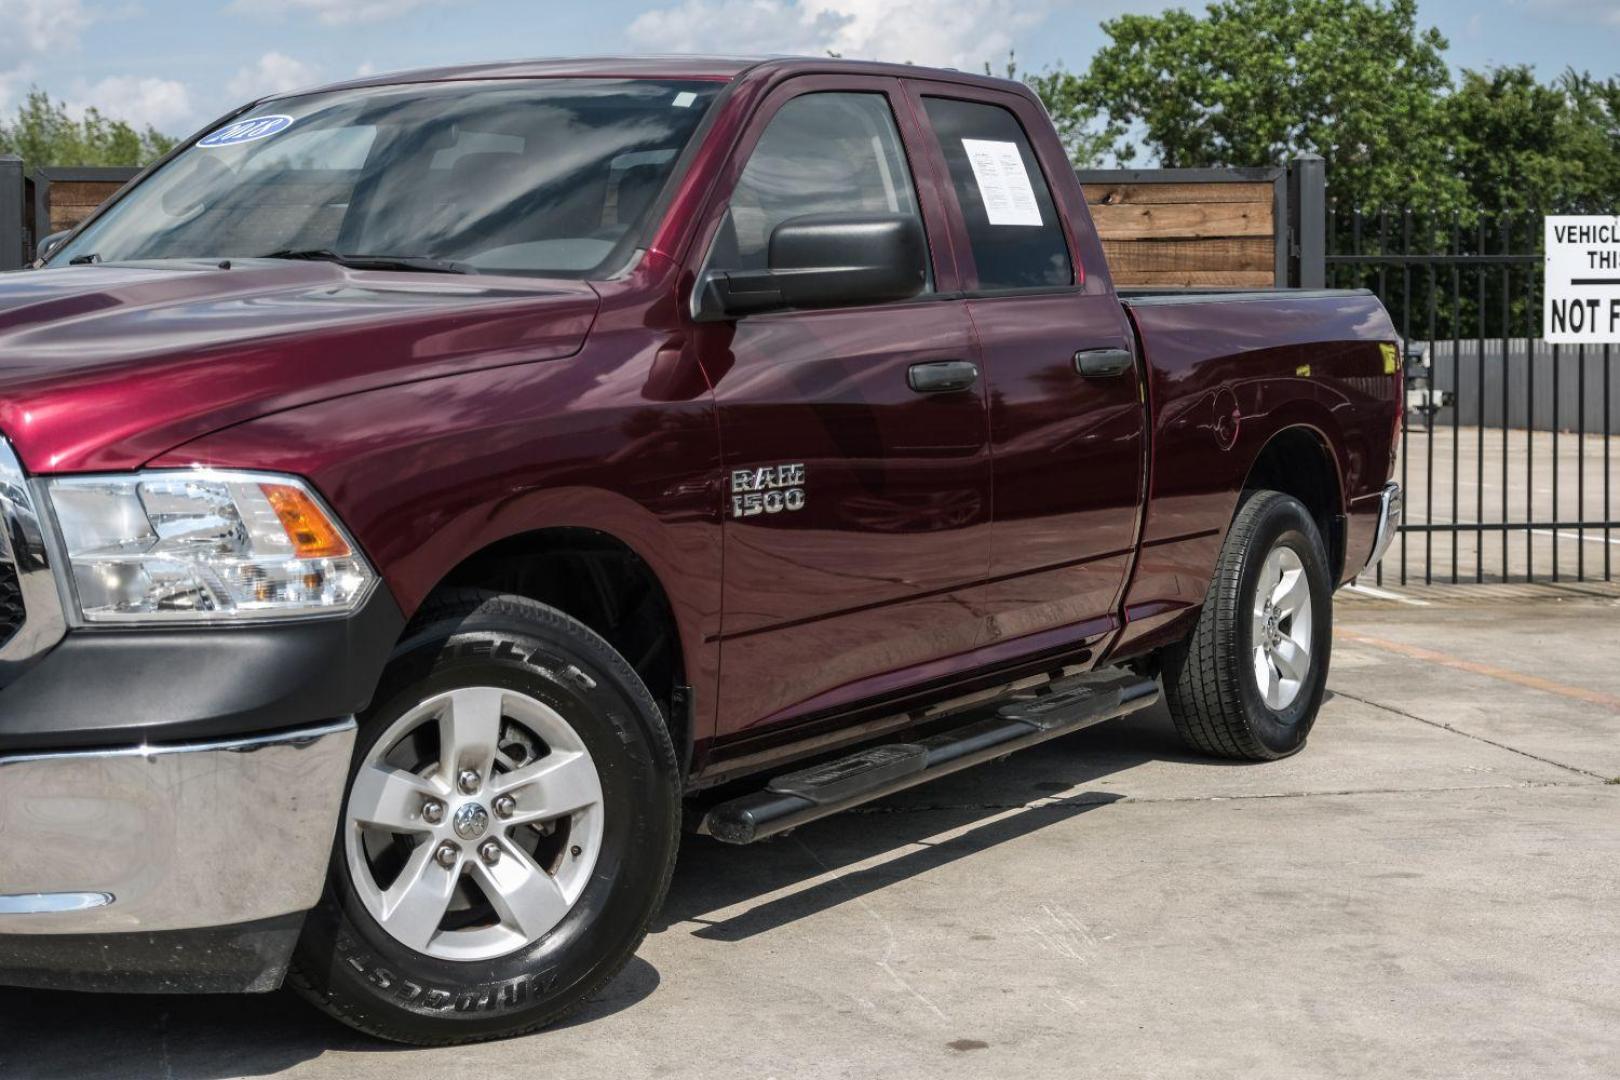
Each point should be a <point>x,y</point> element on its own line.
<point>177,64</point>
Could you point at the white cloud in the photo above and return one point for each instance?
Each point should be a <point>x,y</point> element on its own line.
<point>962,34</point>
<point>334,12</point>
<point>747,26</point>
<point>11,84</point>
<point>28,30</point>
<point>272,73</point>
<point>161,103</point>
<point>33,27</point>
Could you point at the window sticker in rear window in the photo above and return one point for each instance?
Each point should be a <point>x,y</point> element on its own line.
<point>244,131</point>
<point>1003,182</point>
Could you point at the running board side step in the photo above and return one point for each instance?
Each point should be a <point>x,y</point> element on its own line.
<point>990,731</point>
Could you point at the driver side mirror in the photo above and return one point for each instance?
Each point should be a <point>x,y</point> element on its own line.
<point>48,244</point>
<point>822,261</point>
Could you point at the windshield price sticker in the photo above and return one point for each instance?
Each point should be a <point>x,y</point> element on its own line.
<point>245,131</point>
<point>1582,283</point>
<point>1003,182</point>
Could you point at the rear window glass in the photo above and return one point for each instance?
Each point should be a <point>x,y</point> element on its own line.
<point>1016,237</point>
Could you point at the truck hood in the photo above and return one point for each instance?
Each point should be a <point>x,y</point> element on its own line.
<point>106,367</point>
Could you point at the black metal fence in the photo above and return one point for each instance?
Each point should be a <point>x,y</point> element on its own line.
<point>1506,445</point>
<point>16,239</point>
<point>35,202</point>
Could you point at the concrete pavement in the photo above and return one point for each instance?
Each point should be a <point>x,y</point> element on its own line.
<point>1431,889</point>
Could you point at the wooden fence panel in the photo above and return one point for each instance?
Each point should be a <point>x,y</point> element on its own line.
<point>72,201</point>
<point>1199,228</point>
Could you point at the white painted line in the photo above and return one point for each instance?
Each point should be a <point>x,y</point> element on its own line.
<point>1566,535</point>
<point>1385,594</point>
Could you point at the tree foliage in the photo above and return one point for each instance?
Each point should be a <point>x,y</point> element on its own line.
<point>1257,81</point>
<point>43,133</point>
<point>1522,146</point>
<point>1360,82</point>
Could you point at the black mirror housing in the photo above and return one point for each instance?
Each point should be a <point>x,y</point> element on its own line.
<point>48,244</point>
<point>825,260</point>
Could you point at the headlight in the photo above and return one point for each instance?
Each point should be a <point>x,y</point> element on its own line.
<point>204,546</point>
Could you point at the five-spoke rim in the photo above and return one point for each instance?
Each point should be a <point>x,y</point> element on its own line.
<point>1281,639</point>
<point>474,823</point>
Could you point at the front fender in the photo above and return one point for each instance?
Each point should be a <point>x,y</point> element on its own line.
<point>426,474</point>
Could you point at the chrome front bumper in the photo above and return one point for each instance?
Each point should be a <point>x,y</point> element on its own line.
<point>1391,512</point>
<point>169,838</point>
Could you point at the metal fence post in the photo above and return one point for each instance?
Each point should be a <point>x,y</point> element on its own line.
<point>1307,213</point>
<point>12,214</point>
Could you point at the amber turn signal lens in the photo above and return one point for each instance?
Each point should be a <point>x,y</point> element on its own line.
<point>313,536</point>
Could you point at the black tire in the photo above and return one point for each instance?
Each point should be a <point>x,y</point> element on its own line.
<point>1210,679</point>
<point>349,966</point>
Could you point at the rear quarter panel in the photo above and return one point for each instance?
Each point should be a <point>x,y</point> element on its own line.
<point>1227,374</point>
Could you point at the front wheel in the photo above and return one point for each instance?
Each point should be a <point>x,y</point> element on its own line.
<point>509,830</point>
<point>1247,682</point>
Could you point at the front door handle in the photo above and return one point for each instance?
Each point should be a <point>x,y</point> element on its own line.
<point>942,376</point>
<point>1103,363</point>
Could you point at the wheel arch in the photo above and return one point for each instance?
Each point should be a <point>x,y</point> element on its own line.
<point>606,583</point>
<point>1298,460</point>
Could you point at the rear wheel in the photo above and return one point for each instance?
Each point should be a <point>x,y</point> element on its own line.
<point>1247,682</point>
<point>509,830</point>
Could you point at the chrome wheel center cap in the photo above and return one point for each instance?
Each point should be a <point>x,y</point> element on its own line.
<point>471,821</point>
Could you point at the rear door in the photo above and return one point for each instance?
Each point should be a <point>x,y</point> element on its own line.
<point>858,509</point>
<point>1067,419</point>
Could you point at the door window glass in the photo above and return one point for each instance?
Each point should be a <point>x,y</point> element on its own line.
<point>822,153</point>
<point>1012,224</point>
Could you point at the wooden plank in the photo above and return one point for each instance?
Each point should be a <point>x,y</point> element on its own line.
<point>72,202</point>
<point>1199,279</point>
<point>1190,220</point>
<point>1180,256</point>
<point>1137,194</point>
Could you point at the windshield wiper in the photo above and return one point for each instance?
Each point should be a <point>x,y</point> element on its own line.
<point>419,263</point>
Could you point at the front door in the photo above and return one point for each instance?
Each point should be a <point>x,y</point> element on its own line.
<point>858,508</point>
<point>1067,418</point>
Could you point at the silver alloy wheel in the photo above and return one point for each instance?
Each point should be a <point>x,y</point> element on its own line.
<point>1281,639</point>
<point>418,843</point>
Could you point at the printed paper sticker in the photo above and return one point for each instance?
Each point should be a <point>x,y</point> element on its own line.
<point>1003,182</point>
<point>684,99</point>
<point>246,131</point>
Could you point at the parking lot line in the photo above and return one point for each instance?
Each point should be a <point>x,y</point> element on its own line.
<point>1533,682</point>
<point>1385,594</point>
<point>1594,537</point>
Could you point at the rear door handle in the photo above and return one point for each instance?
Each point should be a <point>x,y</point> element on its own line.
<point>942,376</point>
<point>1103,363</point>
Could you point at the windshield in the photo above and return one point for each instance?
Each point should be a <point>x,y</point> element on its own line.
<point>551,177</point>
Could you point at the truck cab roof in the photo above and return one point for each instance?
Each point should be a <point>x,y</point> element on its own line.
<point>709,68</point>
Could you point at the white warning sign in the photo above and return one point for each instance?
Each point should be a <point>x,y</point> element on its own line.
<point>1003,182</point>
<point>1582,283</point>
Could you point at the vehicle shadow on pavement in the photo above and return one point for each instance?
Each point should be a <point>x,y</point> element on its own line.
<point>61,1036</point>
<point>720,894</point>
<point>844,858</point>
<point>729,878</point>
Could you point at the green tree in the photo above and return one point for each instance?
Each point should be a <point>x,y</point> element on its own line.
<point>1523,146</point>
<point>1087,135</point>
<point>43,133</point>
<point>1254,82</point>
<point>1078,124</point>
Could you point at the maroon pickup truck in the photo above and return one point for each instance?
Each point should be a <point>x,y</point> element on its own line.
<point>421,495</point>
